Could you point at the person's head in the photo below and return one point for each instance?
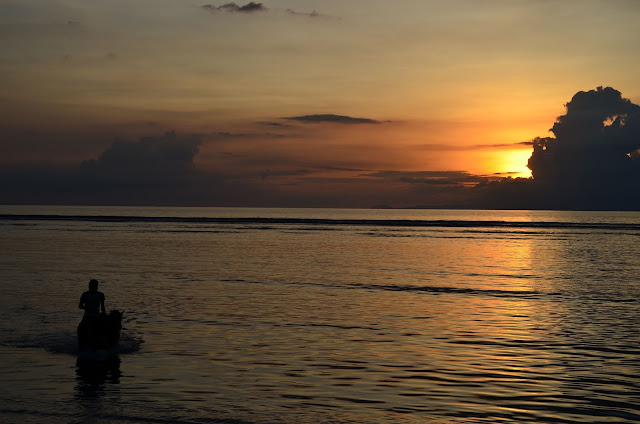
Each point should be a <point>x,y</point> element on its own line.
<point>93,285</point>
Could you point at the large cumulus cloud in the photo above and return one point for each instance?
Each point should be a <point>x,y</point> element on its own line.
<point>592,162</point>
<point>593,140</point>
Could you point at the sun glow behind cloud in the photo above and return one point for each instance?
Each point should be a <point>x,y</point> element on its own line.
<point>512,163</point>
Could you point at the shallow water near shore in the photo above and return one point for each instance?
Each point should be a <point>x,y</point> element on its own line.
<point>323,316</point>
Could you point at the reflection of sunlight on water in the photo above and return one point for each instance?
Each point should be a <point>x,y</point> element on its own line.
<point>461,258</point>
<point>498,350</point>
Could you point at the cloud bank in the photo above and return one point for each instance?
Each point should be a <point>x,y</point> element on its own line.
<point>152,170</point>
<point>592,162</point>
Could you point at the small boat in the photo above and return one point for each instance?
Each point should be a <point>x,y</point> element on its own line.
<point>98,339</point>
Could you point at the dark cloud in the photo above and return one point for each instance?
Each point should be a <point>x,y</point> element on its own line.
<point>257,7</point>
<point>506,174</point>
<point>332,118</point>
<point>598,132</point>
<point>517,145</point>
<point>250,7</point>
<point>313,14</point>
<point>233,7</point>
<point>590,163</point>
<point>152,170</point>
<point>151,160</point>
<point>276,124</point>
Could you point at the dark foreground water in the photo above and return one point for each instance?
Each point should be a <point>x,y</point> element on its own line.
<point>323,316</point>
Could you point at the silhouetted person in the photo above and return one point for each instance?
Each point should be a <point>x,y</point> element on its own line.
<point>92,301</point>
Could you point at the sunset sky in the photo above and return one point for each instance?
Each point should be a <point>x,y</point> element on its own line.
<point>342,103</point>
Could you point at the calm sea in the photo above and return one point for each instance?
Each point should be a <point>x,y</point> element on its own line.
<point>323,316</point>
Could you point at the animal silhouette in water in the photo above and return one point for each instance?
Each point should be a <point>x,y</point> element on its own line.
<point>100,333</point>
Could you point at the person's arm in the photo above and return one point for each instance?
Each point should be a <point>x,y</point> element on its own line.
<point>104,311</point>
<point>81,304</point>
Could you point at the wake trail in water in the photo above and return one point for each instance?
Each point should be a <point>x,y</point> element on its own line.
<point>66,343</point>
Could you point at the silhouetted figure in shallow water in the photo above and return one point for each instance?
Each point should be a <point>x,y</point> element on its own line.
<point>92,301</point>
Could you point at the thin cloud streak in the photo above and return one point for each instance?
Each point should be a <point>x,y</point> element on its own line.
<point>462,147</point>
<point>234,8</point>
<point>331,118</point>
<point>314,14</point>
<point>429,177</point>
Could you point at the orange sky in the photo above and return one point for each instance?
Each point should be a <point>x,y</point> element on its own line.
<point>451,86</point>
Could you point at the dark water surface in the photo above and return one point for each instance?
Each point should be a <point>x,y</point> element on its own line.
<point>323,316</point>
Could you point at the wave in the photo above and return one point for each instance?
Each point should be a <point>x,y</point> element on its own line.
<point>413,288</point>
<point>453,290</point>
<point>269,222</point>
<point>555,296</point>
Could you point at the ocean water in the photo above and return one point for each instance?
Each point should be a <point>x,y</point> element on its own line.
<point>323,316</point>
